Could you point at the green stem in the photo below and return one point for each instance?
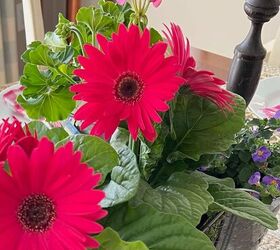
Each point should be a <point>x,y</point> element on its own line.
<point>145,7</point>
<point>131,143</point>
<point>134,5</point>
<point>80,38</point>
<point>94,39</point>
<point>61,73</point>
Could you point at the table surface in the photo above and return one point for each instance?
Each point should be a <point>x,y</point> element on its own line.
<point>206,60</point>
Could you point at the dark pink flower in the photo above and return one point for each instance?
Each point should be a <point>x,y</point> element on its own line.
<point>48,200</point>
<point>11,132</point>
<point>202,83</point>
<point>128,80</point>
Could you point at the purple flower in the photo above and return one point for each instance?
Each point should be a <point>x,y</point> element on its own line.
<point>261,154</point>
<point>255,178</point>
<point>271,180</point>
<point>277,115</point>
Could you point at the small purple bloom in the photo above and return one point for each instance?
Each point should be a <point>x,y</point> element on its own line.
<point>268,180</point>
<point>277,115</point>
<point>271,180</point>
<point>255,178</point>
<point>261,154</point>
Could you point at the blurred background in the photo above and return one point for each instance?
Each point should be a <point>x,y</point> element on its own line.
<point>216,26</point>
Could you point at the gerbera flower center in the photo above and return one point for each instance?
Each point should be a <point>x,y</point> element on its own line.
<point>37,213</point>
<point>129,88</point>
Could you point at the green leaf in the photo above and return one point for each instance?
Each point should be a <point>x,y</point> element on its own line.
<point>119,14</point>
<point>202,128</point>
<point>25,56</point>
<point>242,204</point>
<point>183,194</point>
<point>41,55</point>
<point>54,134</point>
<point>46,95</point>
<point>157,230</point>
<point>110,240</point>
<point>54,42</point>
<point>213,180</point>
<point>121,135</point>
<point>151,153</point>
<point>64,56</point>
<point>155,36</point>
<point>97,153</point>
<point>95,21</point>
<point>124,178</point>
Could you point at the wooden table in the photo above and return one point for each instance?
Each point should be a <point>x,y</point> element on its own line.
<point>206,60</point>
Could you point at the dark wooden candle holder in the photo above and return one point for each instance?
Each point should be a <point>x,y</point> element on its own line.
<point>249,55</point>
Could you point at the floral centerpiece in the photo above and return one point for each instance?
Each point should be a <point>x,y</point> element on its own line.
<point>120,115</point>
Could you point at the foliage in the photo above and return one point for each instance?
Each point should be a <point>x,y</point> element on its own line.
<point>238,162</point>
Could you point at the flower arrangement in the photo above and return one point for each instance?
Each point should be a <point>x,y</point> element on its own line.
<point>137,118</point>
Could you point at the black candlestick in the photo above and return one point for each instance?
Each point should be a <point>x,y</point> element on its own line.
<point>249,55</point>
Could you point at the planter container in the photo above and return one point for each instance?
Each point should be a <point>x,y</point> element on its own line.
<point>241,234</point>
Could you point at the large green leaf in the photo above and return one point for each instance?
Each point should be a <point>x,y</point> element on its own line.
<point>95,21</point>
<point>54,134</point>
<point>213,180</point>
<point>159,231</point>
<point>124,178</point>
<point>47,54</point>
<point>202,128</point>
<point>183,194</point>
<point>46,95</point>
<point>96,153</point>
<point>241,204</point>
<point>114,11</point>
<point>54,42</point>
<point>110,240</point>
<point>39,55</point>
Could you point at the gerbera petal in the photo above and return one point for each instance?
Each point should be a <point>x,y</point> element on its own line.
<point>19,164</point>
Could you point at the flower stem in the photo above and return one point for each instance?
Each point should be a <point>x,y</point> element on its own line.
<point>65,75</point>
<point>131,143</point>
<point>80,38</point>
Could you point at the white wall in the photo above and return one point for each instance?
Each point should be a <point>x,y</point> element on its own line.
<point>213,25</point>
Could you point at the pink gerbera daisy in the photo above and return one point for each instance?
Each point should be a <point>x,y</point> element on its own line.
<point>202,83</point>
<point>48,201</point>
<point>13,133</point>
<point>127,80</point>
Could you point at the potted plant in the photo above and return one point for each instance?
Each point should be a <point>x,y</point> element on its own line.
<point>253,163</point>
<point>143,117</point>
